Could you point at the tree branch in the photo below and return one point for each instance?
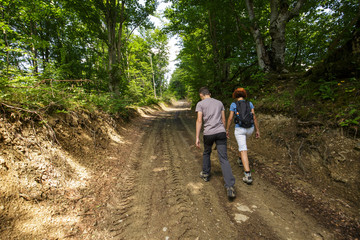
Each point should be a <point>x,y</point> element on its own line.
<point>274,4</point>
<point>296,10</point>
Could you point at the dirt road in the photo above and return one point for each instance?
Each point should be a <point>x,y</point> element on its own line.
<point>109,179</point>
<point>160,196</point>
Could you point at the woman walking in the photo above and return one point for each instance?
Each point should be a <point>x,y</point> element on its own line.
<point>240,107</point>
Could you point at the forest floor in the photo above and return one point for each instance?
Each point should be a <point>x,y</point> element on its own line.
<point>106,179</point>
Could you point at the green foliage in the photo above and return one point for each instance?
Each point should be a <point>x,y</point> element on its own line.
<point>327,90</point>
<point>334,102</point>
<point>47,49</point>
<point>54,97</point>
<point>218,45</point>
<point>213,48</point>
<point>42,42</point>
<point>257,80</point>
<point>177,86</point>
<point>106,102</point>
<point>349,116</point>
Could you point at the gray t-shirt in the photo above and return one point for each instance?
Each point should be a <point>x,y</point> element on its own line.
<point>211,110</point>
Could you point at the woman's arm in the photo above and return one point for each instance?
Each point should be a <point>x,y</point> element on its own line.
<point>229,121</point>
<point>256,124</point>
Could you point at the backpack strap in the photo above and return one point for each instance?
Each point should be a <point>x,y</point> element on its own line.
<point>248,106</point>
<point>237,103</point>
<point>237,106</point>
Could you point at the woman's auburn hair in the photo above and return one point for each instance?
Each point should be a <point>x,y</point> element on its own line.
<point>239,92</point>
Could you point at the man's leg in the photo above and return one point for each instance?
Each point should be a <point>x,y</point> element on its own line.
<point>208,142</point>
<point>221,142</point>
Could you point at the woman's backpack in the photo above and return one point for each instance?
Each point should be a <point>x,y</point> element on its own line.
<point>243,115</point>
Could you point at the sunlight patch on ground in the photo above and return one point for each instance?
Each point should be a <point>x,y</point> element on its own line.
<point>43,219</point>
<point>195,187</point>
<point>243,208</point>
<point>171,109</point>
<point>51,164</point>
<point>52,172</point>
<point>81,173</point>
<point>163,106</point>
<point>160,169</point>
<point>112,133</point>
<point>40,219</point>
<point>183,104</point>
<point>145,111</point>
<point>86,136</point>
<point>240,218</point>
<point>114,136</point>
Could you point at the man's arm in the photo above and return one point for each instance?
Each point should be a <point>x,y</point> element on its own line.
<point>223,119</point>
<point>198,128</point>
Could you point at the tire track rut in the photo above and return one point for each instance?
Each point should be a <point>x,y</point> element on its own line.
<point>162,196</point>
<point>269,213</point>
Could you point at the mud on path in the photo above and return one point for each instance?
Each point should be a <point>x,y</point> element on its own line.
<point>162,197</point>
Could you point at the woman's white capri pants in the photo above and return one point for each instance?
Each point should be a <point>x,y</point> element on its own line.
<point>241,134</point>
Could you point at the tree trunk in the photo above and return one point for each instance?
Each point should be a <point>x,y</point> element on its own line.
<point>238,25</point>
<point>111,28</point>
<point>298,49</point>
<point>263,57</point>
<point>280,16</point>
<point>226,65</point>
<point>278,44</point>
<point>119,43</point>
<point>278,19</point>
<point>46,56</point>
<point>215,48</point>
<point>153,75</point>
<point>273,59</point>
<point>33,48</point>
<point>7,45</point>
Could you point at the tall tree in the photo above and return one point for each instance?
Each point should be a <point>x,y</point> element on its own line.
<point>280,14</point>
<point>159,58</point>
<point>147,60</point>
<point>210,38</point>
<point>111,18</point>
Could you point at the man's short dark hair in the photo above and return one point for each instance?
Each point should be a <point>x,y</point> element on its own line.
<point>204,91</point>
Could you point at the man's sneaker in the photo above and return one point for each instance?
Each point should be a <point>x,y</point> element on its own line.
<point>205,176</point>
<point>240,162</point>
<point>230,192</point>
<point>247,179</point>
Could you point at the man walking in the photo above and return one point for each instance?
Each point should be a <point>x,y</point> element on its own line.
<point>212,112</point>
